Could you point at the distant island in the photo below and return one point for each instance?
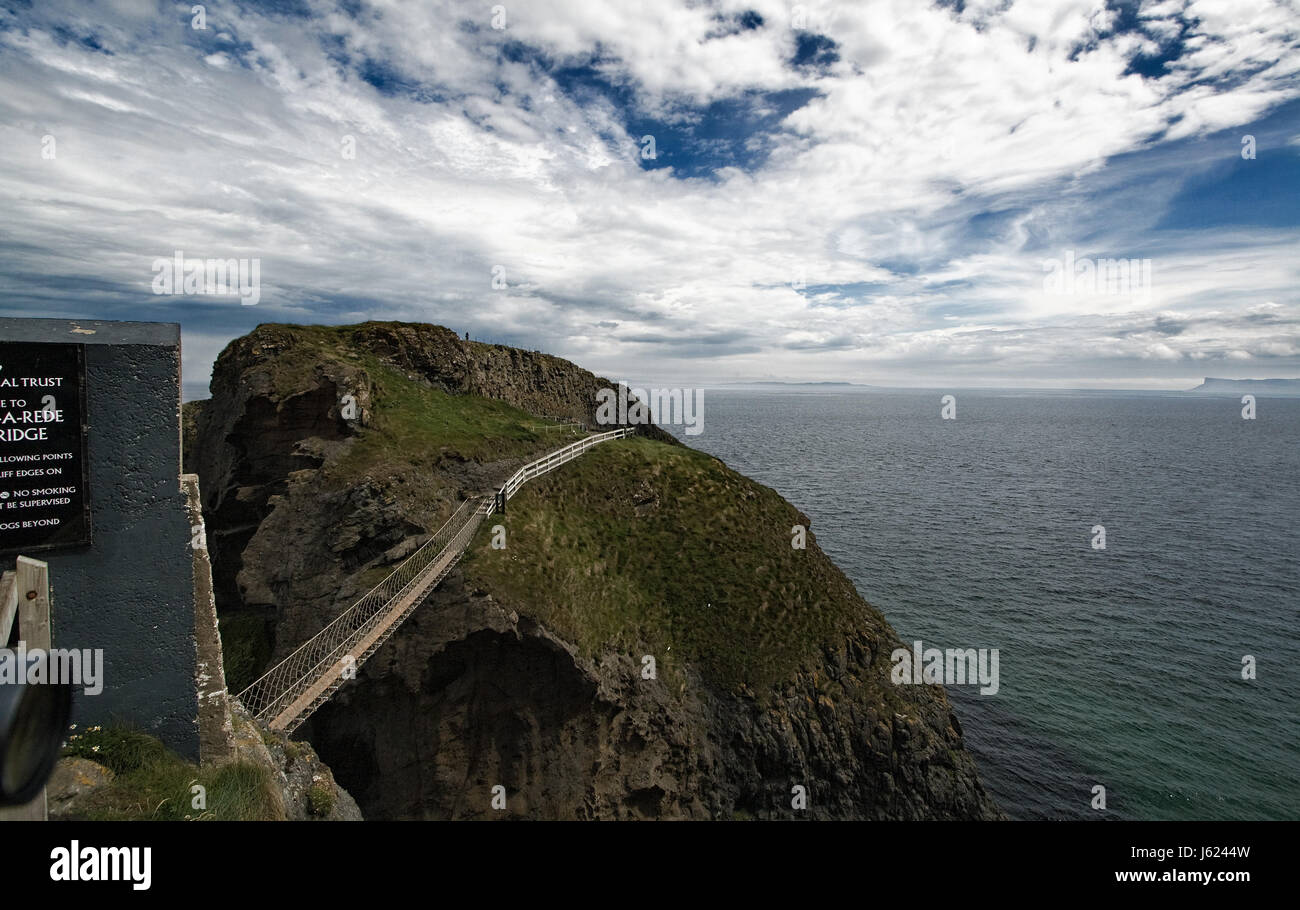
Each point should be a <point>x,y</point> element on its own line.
<point>818,385</point>
<point>1288,388</point>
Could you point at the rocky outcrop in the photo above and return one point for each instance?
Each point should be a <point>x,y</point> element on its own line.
<point>297,786</point>
<point>71,786</point>
<point>305,786</point>
<point>473,693</point>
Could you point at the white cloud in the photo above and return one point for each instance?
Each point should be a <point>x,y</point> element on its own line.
<point>230,142</point>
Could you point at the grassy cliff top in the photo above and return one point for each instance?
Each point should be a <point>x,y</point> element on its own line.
<point>412,422</point>
<point>416,424</point>
<point>642,545</point>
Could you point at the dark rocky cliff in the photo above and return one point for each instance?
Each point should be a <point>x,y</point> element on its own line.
<point>326,455</point>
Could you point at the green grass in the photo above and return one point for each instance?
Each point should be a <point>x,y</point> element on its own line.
<point>153,783</point>
<point>415,426</point>
<point>320,799</point>
<point>639,544</point>
<point>420,426</point>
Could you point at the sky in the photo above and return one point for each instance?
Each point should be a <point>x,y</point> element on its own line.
<point>680,191</point>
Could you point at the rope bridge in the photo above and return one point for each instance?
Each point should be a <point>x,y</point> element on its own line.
<point>288,693</point>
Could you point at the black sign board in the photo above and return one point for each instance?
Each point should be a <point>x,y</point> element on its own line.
<point>44,488</point>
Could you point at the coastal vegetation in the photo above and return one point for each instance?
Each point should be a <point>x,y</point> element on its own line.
<point>150,782</point>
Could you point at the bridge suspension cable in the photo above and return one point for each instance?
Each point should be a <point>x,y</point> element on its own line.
<point>288,693</point>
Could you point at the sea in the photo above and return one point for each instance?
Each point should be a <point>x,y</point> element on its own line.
<point>1155,678</point>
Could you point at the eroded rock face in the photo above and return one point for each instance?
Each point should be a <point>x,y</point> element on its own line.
<point>534,382</point>
<point>305,786</point>
<point>253,448</point>
<point>72,784</point>
<point>470,693</point>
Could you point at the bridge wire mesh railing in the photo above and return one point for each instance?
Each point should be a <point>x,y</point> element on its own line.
<point>278,687</point>
<point>384,623</point>
<point>325,652</point>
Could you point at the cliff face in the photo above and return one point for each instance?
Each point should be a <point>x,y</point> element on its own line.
<point>526,669</point>
<point>472,694</point>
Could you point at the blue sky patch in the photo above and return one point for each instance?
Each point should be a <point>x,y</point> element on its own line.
<point>813,51</point>
<point>1127,21</point>
<point>65,36</point>
<point>296,9</point>
<point>1264,192</point>
<point>389,81</point>
<point>737,132</point>
<point>747,21</point>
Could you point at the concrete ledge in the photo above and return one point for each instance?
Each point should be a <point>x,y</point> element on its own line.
<point>216,735</point>
<point>90,331</point>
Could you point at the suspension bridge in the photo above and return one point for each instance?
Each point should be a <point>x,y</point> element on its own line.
<point>288,693</point>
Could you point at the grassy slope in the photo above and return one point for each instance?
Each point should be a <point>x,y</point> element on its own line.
<point>641,544</point>
<point>419,425</point>
<point>414,425</point>
<point>153,783</point>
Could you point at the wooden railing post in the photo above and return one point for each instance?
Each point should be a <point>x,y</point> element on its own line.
<point>8,605</point>
<point>27,588</point>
